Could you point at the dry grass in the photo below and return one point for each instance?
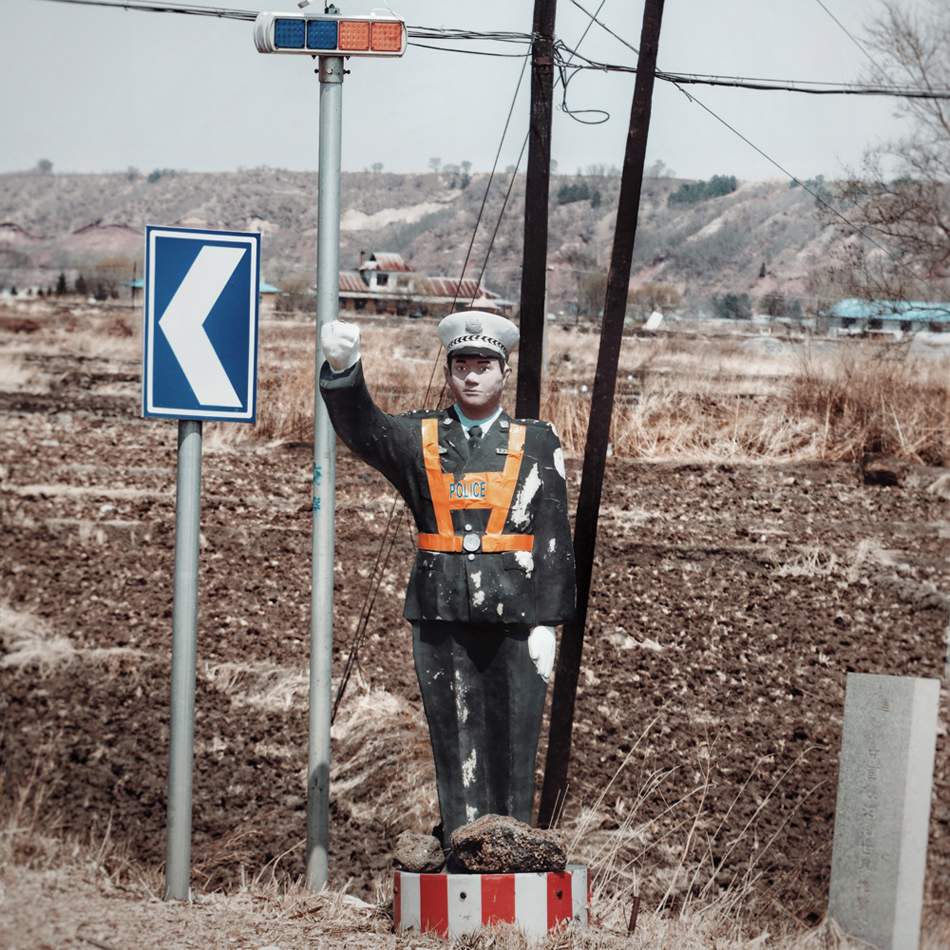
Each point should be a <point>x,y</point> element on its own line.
<point>679,397</point>
<point>685,395</point>
<point>723,399</point>
<point>695,912</point>
<point>380,743</point>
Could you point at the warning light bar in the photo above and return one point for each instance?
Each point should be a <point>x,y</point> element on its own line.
<point>329,35</point>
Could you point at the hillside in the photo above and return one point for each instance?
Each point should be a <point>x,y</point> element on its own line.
<point>72,223</point>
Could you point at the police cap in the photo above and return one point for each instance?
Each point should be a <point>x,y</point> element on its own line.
<point>477,333</point>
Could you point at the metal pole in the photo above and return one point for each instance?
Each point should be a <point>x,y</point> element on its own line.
<point>184,649</point>
<point>598,429</point>
<point>534,274</point>
<point>324,481</point>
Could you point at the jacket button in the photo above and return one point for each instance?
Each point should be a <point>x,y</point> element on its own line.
<point>471,557</point>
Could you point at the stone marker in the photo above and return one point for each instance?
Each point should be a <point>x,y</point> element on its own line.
<point>499,844</point>
<point>879,855</point>
<point>946,668</point>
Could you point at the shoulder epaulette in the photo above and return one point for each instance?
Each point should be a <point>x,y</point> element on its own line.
<point>421,414</point>
<point>534,422</point>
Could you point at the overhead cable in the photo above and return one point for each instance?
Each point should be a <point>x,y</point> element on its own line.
<point>807,86</point>
<point>679,80</point>
<point>603,26</point>
<point>220,12</point>
<point>416,33</point>
<point>851,37</point>
<point>818,198</point>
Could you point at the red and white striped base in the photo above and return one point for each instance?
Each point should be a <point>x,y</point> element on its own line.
<point>457,904</point>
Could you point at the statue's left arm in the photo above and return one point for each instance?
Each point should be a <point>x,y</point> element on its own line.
<point>553,550</point>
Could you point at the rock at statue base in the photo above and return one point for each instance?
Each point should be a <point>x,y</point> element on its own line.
<point>498,844</point>
<point>421,854</point>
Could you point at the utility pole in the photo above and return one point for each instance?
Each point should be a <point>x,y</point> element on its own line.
<point>598,430</point>
<point>537,185</point>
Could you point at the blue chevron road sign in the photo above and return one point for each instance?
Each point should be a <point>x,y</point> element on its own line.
<point>200,331</point>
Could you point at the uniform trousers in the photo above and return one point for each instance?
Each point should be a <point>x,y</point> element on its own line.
<point>484,701</point>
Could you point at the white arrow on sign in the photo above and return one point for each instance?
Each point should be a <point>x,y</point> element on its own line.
<point>183,324</point>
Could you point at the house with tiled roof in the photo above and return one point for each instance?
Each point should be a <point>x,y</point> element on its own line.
<point>385,283</point>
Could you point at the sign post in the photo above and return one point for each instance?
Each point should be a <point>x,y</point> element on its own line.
<point>331,37</point>
<point>324,483</point>
<point>184,657</point>
<point>199,362</point>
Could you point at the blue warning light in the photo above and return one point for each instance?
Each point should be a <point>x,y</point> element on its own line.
<point>289,34</point>
<point>321,34</point>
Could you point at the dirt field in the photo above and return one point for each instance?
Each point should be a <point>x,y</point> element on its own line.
<point>730,601</point>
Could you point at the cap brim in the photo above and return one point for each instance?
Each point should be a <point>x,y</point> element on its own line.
<point>469,350</point>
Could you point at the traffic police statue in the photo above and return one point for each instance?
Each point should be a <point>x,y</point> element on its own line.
<point>494,571</point>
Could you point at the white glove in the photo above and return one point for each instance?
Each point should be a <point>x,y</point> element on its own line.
<point>542,644</point>
<point>341,344</point>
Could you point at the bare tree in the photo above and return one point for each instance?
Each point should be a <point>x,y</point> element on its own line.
<point>435,164</point>
<point>652,296</point>
<point>584,267</point>
<point>901,199</point>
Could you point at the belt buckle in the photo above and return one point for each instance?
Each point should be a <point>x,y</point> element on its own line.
<point>471,543</point>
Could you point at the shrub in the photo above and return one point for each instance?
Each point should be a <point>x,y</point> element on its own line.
<point>567,194</point>
<point>161,173</point>
<point>693,192</point>
<point>773,304</point>
<point>732,307</point>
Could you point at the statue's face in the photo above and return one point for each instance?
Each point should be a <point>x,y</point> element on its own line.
<point>477,383</point>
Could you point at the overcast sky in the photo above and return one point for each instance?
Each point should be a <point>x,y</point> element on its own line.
<point>94,89</point>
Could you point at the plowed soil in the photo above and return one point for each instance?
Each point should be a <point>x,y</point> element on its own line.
<point>729,604</point>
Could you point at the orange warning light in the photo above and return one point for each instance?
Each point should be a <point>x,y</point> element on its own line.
<point>354,35</point>
<point>387,37</point>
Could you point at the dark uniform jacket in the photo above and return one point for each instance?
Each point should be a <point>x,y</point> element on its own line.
<point>511,587</point>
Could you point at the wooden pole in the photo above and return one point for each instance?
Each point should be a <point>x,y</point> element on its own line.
<point>537,183</point>
<point>598,429</point>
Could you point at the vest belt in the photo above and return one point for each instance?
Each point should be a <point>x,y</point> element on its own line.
<point>491,490</point>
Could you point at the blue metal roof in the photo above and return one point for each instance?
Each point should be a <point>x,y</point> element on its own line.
<point>854,308</point>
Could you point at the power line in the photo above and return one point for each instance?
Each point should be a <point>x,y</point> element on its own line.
<point>678,81</point>
<point>851,37</point>
<point>816,196</point>
<point>467,52</point>
<point>446,33</point>
<point>392,524</point>
<point>603,26</point>
<point>416,33</point>
<point>806,86</point>
<point>143,5</point>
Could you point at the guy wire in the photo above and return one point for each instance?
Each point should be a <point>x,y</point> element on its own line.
<point>376,576</point>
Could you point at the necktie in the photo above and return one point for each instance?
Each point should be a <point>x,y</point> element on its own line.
<point>474,434</point>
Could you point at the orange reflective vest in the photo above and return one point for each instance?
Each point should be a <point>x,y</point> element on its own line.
<point>493,490</point>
